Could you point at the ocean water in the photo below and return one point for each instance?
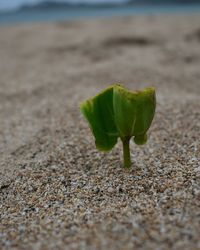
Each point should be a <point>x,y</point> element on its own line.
<point>87,13</point>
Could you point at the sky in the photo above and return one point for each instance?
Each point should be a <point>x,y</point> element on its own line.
<point>10,4</point>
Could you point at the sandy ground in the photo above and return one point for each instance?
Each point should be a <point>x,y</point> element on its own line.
<point>56,190</point>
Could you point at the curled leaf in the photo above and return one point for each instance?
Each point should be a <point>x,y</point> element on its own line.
<point>133,111</point>
<point>99,113</point>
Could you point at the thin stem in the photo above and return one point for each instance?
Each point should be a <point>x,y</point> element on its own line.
<point>126,152</point>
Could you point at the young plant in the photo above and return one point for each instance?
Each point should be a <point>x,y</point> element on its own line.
<point>118,113</point>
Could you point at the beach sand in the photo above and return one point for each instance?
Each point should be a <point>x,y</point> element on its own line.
<point>56,190</point>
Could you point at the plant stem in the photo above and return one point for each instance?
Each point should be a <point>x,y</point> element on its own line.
<point>126,152</point>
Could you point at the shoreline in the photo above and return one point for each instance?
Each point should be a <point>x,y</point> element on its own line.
<point>89,13</point>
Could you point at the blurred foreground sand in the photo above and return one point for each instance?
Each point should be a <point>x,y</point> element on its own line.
<point>56,190</point>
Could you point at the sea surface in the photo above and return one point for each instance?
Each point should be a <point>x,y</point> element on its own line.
<point>92,12</point>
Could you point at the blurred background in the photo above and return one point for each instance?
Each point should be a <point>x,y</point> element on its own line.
<point>12,11</point>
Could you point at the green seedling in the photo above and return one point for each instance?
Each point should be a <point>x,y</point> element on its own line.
<point>118,113</point>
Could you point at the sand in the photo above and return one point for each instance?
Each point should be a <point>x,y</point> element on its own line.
<point>56,190</point>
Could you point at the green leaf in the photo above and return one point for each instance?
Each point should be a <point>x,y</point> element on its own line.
<point>99,113</point>
<point>146,104</point>
<point>140,139</point>
<point>133,111</point>
<point>117,112</point>
<point>124,105</point>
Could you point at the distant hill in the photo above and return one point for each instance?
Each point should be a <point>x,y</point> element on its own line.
<point>60,5</point>
<point>47,5</point>
<point>150,2</point>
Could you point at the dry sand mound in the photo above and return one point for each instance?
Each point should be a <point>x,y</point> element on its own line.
<point>56,190</point>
